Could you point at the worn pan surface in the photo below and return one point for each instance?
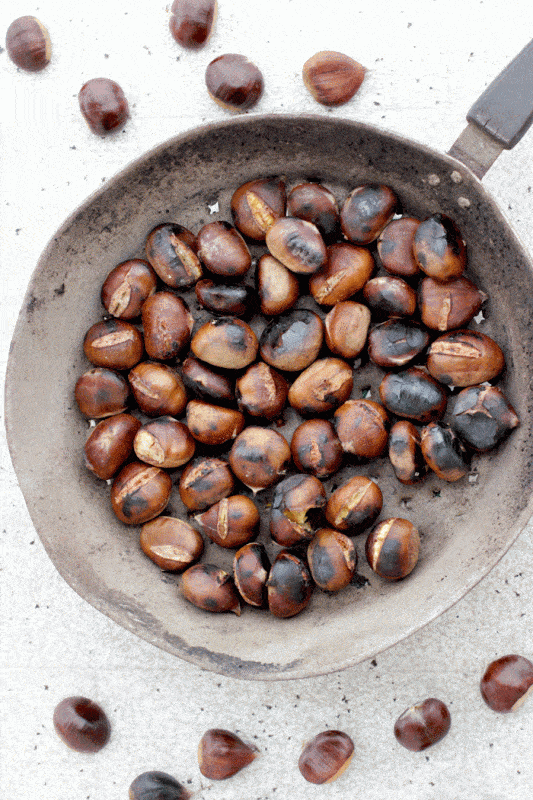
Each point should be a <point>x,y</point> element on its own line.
<point>466,527</point>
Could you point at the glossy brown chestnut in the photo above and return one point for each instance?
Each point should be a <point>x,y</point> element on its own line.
<point>251,567</point>
<point>346,328</point>
<point>204,482</point>
<point>232,522</point>
<point>422,725</point>
<point>101,392</point>
<point>332,559</point>
<point>355,505</point>
<point>445,306</point>
<point>81,724</point>
<point>103,105</point>
<point>171,543</point>
<point>110,444</point>
<point>223,250</point>
<point>366,211</point>
<point>158,389</point>
<point>507,683</point>
<point>346,271</point>
<point>316,448</point>
<point>140,492</point>
<point>261,391</point>
<point>395,247</point>
<point>289,585</point>
<point>259,457</point>
<point>277,287</point>
<point>172,251</point>
<point>167,325</point>
<point>390,296</point>
<point>392,548</point>
<point>222,754</point>
<point>405,452</point>
<point>439,249</point>
<point>28,44</point>
<point>126,288</point>
<point>362,428</point>
<point>155,785</point>
<point>322,387</point>
<point>396,342</point>
<point>164,442</point>
<point>213,425</point>
<point>332,78</point>
<point>191,22</point>
<point>444,452</point>
<point>210,588</point>
<point>292,341</point>
<point>298,244</point>
<point>114,344</point>
<point>464,358</point>
<point>234,82</point>
<point>226,342</point>
<point>297,509</point>
<point>257,204</point>
<point>413,394</point>
<point>315,203</point>
<point>326,756</point>
<point>482,416</point>
<point>207,384</point>
<point>229,299</point>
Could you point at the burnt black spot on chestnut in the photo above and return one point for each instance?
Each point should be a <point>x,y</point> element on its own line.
<point>482,417</point>
<point>134,504</point>
<point>285,576</point>
<point>211,604</point>
<point>389,557</point>
<point>444,452</point>
<point>413,394</point>
<point>224,298</point>
<point>396,342</point>
<point>323,568</point>
<point>388,246</point>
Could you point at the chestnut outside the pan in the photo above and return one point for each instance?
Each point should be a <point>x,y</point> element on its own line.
<point>465,527</point>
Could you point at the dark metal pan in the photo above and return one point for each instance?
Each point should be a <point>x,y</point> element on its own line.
<point>467,526</point>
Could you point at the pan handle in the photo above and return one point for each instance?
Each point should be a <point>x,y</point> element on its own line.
<point>500,117</point>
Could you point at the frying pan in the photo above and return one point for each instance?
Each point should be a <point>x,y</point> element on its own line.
<point>466,527</point>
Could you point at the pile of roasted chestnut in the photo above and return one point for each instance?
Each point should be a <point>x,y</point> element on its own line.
<point>232,375</point>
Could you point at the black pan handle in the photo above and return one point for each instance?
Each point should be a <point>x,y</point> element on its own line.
<point>500,117</point>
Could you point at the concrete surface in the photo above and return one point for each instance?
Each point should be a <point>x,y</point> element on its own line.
<point>427,61</point>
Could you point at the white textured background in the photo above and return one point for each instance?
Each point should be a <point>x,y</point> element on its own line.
<point>427,62</point>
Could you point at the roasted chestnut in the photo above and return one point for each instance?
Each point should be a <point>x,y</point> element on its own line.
<point>234,82</point>
<point>362,428</point>
<point>82,724</point>
<point>439,249</point>
<point>347,269</point>
<point>355,505</point>
<point>326,756</point>
<point>261,391</point>
<point>232,522</point>
<point>392,548</point>
<point>298,244</point>
<point>164,442</point>
<point>332,559</point>
<point>211,588</point>
<point>482,416</point>
<point>251,567</point>
<point>172,251</point>
<point>204,482</point>
<point>259,457</point>
<point>507,682</point>
<point>366,211</point>
<point>292,341</point>
<point>191,22</point>
<point>110,444</point>
<point>224,298</point>
<point>171,543</point>
<point>167,325</point>
<point>289,585</point>
<point>223,250</point>
<point>103,105</point>
<point>464,358</point>
<point>101,392</point>
<point>423,724</point>
<point>396,342</point>
<point>444,452</point>
<point>226,342</point>
<point>413,394</point>
<point>315,203</point>
<point>395,247</point>
<point>346,328</point>
<point>256,205</point>
<point>207,384</point>
<point>113,343</point>
<point>140,492</point>
<point>222,754</point>
<point>322,387</point>
<point>316,448</point>
<point>213,425</point>
<point>126,288</point>
<point>297,509</point>
<point>390,296</point>
<point>158,389</point>
<point>277,287</point>
<point>445,306</point>
<point>405,452</point>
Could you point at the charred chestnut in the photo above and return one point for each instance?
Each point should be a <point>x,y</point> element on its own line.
<point>347,269</point>
<point>366,211</point>
<point>395,247</point>
<point>316,448</point>
<point>444,452</point>
<point>292,341</point>
<point>346,328</point>
<point>226,342</point>
<point>332,559</point>
<point>140,492</point>
<point>232,522</point>
<point>223,250</point>
<point>114,344</point>
<point>210,588</point>
<point>413,394</point>
<point>482,417</point>
<point>405,452</point>
<point>355,505</point>
<point>326,756</point>
<point>445,306</point>
<point>110,444</point>
<point>261,391</point>
<point>423,724</point>
<point>277,287</point>
<point>439,249</point>
<point>297,509</point>
<point>256,205</point>
<point>251,567</point>
<point>315,203</point>
<point>322,387</point>
<point>213,425</point>
<point>289,585</point>
<point>126,288</point>
<point>207,384</point>
<point>164,442</point>
<point>224,298</point>
<point>464,358</point>
<point>101,392</point>
<point>507,682</point>
<point>172,251</point>
<point>362,428</point>
<point>158,389</point>
<point>396,342</point>
<point>167,325</point>
<point>297,243</point>
<point>204,482</point>
<point>171,543</point>
<point>390,296</point>
<point>392,548</point>
<point>259,457</point>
